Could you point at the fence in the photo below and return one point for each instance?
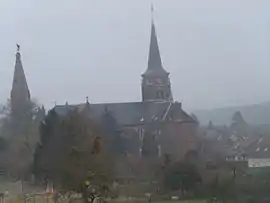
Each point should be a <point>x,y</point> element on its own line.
<point>44,198</point>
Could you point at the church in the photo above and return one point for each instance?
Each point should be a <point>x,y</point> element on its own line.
<point>175,132</point>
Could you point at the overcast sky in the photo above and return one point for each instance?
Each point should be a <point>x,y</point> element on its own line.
<point>218,52</point>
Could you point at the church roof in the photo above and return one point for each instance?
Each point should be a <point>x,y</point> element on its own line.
<point>19,84</point>
<point>133,113</point>
<point>154,59</point>
<point>20,94</point>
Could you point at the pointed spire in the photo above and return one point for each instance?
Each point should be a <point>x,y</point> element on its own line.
<point>154,58</point>
<point>20,95</point>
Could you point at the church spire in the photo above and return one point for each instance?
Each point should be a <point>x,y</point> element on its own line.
<point>154,58</point>
<point>20,95</point>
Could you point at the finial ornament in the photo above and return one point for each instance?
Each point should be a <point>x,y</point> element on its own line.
<point>18,47</point>
<point>152,11</point>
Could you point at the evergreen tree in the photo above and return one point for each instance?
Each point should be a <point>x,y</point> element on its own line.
<point>71,152</point>
<point>21,135</point>
<point>210,125</point>
<point>237,119</point>
<point>239,125</point>
<point>181,176</point>
<point>48,129</point>
<point>112,134</point>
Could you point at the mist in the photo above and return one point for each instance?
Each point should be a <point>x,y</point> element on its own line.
<point>217,52</point>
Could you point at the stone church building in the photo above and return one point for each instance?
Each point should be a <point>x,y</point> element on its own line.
<point>175,131</point>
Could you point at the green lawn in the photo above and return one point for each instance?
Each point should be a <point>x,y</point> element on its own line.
<point>181,201</point>
<point>193,201</point>
<point>172,201</point>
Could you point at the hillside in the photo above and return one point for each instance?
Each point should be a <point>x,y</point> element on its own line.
<point>257,114</point>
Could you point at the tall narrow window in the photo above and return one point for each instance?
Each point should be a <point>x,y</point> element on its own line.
<point>159,151</point>
<point>161,95</point>
<point>158,94</point>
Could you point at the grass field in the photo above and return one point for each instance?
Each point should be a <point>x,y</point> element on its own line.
<point>182,201</point>
<point>43,200</point>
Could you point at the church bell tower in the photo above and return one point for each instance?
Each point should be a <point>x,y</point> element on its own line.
<point>156,84</point>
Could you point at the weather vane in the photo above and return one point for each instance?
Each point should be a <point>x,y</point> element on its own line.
<point>18,47</point>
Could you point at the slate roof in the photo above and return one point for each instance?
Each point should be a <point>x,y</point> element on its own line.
<point>259,148</point>
<point>154,59</point>
<point>20,90</point>
<point>253,146</point>
<point>133,113</point>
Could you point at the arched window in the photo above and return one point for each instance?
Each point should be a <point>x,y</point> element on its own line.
<point>160,94</point>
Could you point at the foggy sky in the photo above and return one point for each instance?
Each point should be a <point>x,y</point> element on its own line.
<point>218,52</point>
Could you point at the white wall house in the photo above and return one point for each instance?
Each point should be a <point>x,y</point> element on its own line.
<point>258,162</point>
